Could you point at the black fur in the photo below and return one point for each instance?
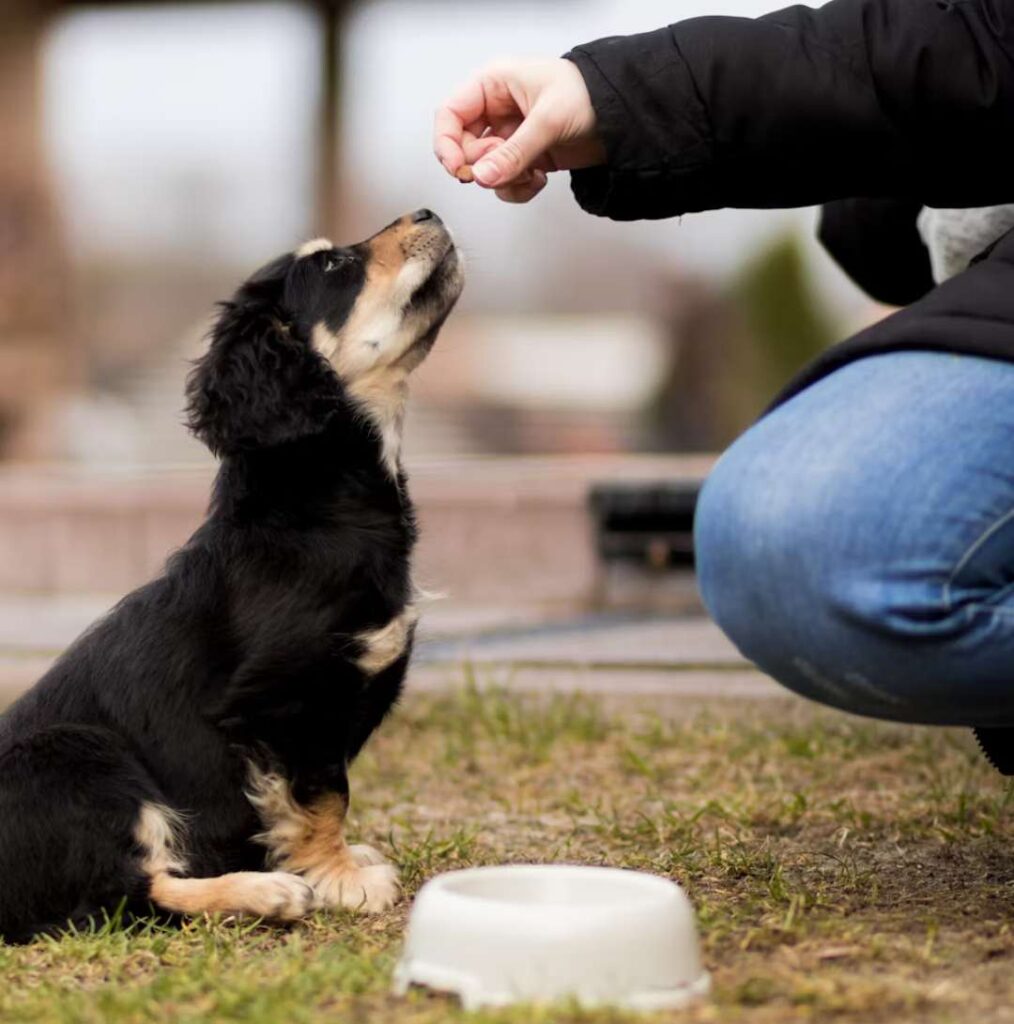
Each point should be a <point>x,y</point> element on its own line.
<point>244,648</point>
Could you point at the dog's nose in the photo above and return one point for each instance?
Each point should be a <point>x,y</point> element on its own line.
<point>423,215</point>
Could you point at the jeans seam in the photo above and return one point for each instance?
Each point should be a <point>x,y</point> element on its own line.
<point>988,609</point>
<point>967,557</point>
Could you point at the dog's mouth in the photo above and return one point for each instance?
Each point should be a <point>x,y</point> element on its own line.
<point>432,302</point>
<point>443,286</point>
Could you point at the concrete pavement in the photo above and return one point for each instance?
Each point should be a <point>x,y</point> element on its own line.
<point>527,648</point>
<point>510,539</point>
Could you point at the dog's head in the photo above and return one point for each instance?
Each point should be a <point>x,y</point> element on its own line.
<point>322,331</point>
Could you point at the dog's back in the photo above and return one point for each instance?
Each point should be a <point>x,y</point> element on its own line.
<point>88,748</point>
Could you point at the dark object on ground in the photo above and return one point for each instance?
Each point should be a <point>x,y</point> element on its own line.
<point>998,747</point>
<point>191,749</point>
<point>648,524</point>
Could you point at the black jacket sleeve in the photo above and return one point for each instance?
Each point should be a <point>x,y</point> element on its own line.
<point>909,99</point>
<point>877,243</point>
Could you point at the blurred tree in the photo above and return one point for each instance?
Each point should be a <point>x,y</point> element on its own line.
<point>734,349</point>
<point>784,317</point>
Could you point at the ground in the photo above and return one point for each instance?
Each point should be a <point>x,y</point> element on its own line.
<point>842,870</point>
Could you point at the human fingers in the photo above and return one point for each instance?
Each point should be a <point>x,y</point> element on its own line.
<point>461,111</point>
<point>503,165</point>
<point>476,148</point>
<point>524,191</point>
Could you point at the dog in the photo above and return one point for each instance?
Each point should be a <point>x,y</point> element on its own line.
<point>189,753</point>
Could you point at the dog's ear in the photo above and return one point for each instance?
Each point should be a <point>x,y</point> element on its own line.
<point>258,385</point>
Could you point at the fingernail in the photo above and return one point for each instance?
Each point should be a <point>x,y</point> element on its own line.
<point>485,172</point>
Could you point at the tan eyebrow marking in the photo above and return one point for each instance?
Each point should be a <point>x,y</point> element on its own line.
<point>315,245</point>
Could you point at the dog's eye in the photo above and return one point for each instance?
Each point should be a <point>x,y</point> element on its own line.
<point>334,261</point>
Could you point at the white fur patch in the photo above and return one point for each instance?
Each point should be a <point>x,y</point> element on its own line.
<point>284,820</point>
<point>324,341</point>
<point>379,390</point>
<point>370,888</point>
<point>386,645</point>
<point>159,832</point>
<point>314,245</point>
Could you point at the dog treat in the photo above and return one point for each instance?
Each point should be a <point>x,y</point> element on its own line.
<point>465,175</point>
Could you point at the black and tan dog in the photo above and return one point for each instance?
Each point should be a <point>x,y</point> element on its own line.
<point>190,751</point>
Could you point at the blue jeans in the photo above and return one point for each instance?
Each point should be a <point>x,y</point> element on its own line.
<point>857,544</point>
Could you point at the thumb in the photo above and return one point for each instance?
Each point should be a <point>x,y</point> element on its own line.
<point>516,155</point>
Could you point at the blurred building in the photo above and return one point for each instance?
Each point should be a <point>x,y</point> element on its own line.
<point>39,360</point>
<point>98,290</point>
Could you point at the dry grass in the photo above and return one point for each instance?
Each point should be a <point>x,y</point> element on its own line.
<point>842,870</point>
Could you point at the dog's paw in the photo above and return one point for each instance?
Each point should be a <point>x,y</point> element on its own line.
<point>278,895</point>
<point>365,855</point>
<point>371,889</point>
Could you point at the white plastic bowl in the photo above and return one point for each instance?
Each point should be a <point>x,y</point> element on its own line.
<point>600,936</point>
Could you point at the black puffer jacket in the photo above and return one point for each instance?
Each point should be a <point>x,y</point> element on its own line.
<point>876,107</point>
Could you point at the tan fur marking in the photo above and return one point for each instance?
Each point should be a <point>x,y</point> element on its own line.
<point>376,317</point>
<point>382,395</point>
<point>387,250</point>
<point>374,309</point>
<point>310,841</point>
<point>377,385</point>
<point>160,832</point>
<point>322,839</point>
<point>386,645</point>
<point>314,245</point>
<point>272,894</point>
<point>372,350</point>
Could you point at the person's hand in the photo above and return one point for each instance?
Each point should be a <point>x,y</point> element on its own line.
<point>517,121</point>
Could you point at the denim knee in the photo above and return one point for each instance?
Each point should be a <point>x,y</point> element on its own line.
<point>782,573</point>
<point>737,542</point>
<point>858,546</point>
<point>760,579</point>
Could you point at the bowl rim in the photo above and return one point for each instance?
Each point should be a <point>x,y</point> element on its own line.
<point>646,889</point>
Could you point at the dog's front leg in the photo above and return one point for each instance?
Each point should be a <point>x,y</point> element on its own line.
<point>309,841</point>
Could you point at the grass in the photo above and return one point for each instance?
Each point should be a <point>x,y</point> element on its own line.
<point>842,870</point>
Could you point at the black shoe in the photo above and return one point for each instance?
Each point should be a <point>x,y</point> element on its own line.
<point>998,746</point>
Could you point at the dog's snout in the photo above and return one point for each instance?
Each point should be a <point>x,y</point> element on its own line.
<point>424,215</point>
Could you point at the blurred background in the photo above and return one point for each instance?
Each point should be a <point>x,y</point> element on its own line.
<point>155,153</point>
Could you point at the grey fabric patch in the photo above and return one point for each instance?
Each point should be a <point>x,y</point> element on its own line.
<point>955,237</point>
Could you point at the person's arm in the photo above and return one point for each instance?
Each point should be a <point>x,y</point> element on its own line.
<point>877,243</point>
<point>910,99</point>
